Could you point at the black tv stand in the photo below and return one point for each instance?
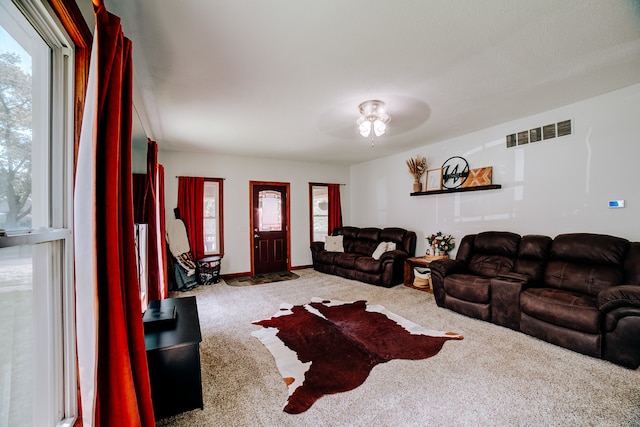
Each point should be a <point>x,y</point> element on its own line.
<point>173,355</point>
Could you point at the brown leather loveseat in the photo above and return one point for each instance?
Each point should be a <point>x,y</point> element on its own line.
<point>355,258</point>
<point>580,291</point>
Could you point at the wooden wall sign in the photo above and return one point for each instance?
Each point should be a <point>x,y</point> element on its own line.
<point>478,177</point>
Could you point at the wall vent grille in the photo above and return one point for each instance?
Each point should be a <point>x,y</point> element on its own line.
<point>553,130</point>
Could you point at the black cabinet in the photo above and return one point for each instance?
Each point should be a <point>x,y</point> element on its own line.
<point>173,355</point>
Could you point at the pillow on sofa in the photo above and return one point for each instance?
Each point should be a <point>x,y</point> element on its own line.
<point>333,244</point>
<point>382,248</point>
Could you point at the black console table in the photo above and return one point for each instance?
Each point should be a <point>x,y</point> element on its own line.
<point>173,355</point>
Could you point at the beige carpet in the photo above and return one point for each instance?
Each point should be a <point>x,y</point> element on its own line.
<point>494,376</point>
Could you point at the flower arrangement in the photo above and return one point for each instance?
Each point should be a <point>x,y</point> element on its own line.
<point>441,242</point>
<point>417,167</point>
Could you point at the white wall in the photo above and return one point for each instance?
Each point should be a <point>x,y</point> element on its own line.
<point>549,187</point>
<point>238,171</point>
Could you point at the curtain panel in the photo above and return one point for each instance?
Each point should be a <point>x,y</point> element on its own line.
<point>112,364</point>
<point>335,208</point>
<point>162,242</point>
<point>191,209</point>
<point>157,285</point>
<point>139,193</point>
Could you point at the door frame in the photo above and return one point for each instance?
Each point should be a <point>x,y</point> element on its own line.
<point>287,224</point>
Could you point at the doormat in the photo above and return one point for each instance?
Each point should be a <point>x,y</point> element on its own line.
<point>260,279</point>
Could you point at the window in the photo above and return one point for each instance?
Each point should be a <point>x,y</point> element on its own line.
<point>212,216</point>
<point>37,364</point>
<point>270,210</point>
<point>319,200</point>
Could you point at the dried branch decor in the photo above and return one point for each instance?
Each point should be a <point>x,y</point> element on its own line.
<point>417,167</point>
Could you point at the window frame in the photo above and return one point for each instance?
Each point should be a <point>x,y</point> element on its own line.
<point>220,217</point>
<point>51,237</point>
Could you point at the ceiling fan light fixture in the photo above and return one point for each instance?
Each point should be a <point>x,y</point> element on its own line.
<point>364,127</point>
<point>379,127</point>
<point>372,117</point>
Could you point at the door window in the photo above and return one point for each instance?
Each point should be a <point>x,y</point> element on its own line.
<point>270,211</point>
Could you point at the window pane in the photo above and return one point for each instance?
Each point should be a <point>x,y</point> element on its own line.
<point>270,214</point>
<point>211,225</point>
<point>320,208</point>
<point>210,235</point>
<point>16,87</point>
<point>17,363</point>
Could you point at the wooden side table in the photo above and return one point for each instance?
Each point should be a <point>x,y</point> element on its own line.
<point>411,263</point>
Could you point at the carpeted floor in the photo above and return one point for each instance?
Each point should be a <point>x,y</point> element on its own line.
<point>261,279</point>
<point>494,377</point>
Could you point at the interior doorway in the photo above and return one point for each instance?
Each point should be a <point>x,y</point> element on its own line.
<point>270,231</point>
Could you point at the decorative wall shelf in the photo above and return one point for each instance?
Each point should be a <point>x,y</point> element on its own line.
<point>457,190</point>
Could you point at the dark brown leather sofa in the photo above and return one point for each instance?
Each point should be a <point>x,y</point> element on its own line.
<point>580,291</point>
<point>357,263</point>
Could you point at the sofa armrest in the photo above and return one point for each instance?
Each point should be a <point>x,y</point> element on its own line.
<point>447,266</point>
<point>505,299</point>
<point>618,297</point>
<point>317,247</point>
<point>440,269</point>
<point>395,254</point>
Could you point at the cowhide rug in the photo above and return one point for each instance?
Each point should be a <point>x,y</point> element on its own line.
<point>329,347</point>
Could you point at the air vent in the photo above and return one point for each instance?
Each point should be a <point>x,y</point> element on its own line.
<point>538,134</point>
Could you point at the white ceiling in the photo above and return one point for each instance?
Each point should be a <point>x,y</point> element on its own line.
<point>283,78</point>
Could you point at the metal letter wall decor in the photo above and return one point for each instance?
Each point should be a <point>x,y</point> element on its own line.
<point>455,172</point>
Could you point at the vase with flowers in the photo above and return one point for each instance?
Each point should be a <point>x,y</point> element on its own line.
<point>440,243</point>
<point>417,167</point>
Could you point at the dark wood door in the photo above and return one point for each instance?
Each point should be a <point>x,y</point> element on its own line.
<point>270,228</point>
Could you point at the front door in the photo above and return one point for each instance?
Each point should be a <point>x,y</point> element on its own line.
<point>269,214</point>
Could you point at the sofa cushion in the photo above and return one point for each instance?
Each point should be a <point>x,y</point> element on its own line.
<point>324,257</point>
<point>366,241</point>
<point>632,264</point>
<point>494,252</point>
<point>393,234</point>
<point>589,248</point>
<point>334,244</point>
<point>349,235</point>
<point>368,265</point>
<point>490,265</point>
<point>571,310</point>
<point>586,263</point>
<point>497,243</point>
<point>533,253</point>
<point>468,287</point>
<point>584,278</point>
<point>346,260</point>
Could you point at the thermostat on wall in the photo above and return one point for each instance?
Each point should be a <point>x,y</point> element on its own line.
<point>616,203</point>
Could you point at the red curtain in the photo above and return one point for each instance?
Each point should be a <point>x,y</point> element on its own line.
<point>335,208</point>
<point>119,392</point>
<point>162,245</point>
<point>155,219</point>
<point>190,206</point>
<point>139,193</point>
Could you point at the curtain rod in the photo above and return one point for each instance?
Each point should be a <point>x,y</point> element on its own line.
<point>325,183</point>
<point>205,177</point>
